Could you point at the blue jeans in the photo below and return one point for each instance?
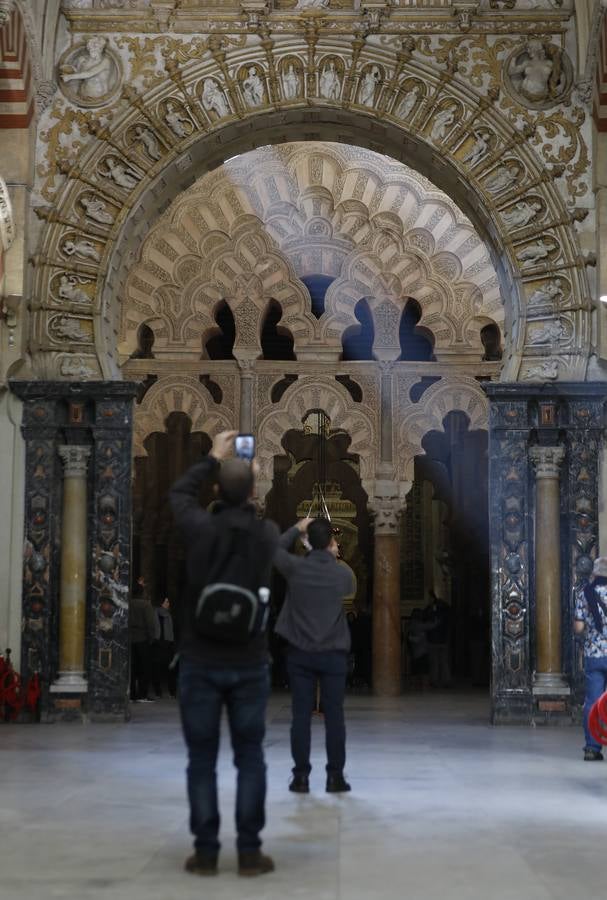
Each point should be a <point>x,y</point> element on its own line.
<point>202,694</point>
<point>305,669</point>
<point>595,669</point>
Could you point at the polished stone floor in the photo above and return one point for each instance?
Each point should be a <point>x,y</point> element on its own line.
<point>443,806</point>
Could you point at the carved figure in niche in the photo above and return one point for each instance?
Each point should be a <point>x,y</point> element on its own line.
<point>94,69</point>
<point>290,83</point>
<point>552,331</point>
<point>479,148</point>
<point>213,99</point>
<point>83,249</point>
<point>67,329</point>
<point>408,102</point>
<point>330,82</point>
<point>537,75</point>
<point>252,89</point>
<point>69,290</point>
<point>96,210</point>
<point>75,367</point>
<point>546,371</point>
<point>443,120</point>
<point>504,178</point>
<point>176,122</point>
<point>521,213</point>
<point>534,252</point>
<point>148,139</point>
<point>550,293</point>
<point>368,86</point>
<point>119,173</point>
<point>312,4</point>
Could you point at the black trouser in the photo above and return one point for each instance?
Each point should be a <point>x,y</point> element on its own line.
<point>162,657</point>
<point>141,669</point>
<point>305,669</point>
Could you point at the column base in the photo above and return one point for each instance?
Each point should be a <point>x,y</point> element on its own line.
<point>550,684</point>
<point>70,683</point>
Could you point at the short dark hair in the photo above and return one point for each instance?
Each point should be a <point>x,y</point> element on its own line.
<point>320,534</point>
<point>235,482</point>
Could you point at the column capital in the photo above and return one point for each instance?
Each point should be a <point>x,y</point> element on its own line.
<point>246,366</point>
<point>6,8</point>
<point>386,512</point>
<point>75,459</point>
<point>547,460</point>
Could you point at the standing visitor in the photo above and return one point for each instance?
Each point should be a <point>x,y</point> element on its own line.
<point>164,651</point>
<point>591,621</point>
<point>229,556</point>
<point>313,623</point>
<point>142,633</point>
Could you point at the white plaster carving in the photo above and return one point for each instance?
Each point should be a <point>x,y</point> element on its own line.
<point>539,73</point>
<point>545,371</point>
<point>96,210</point>
<point>479,148</point>
<point>119,173</point>
<point>67,328</point>
<point>69,290</point>
<point>177,122</point>
<point>290,83</point>
<point>546,295</point>
<point>368,86</point>
<point>75,367</point>
<point>252,88</point>
<point>502,179</point>
<point>330,82</point>
<point>551,332</point>
<point>534,252</point>
<point>443,120</point>
<point>7,223</point>
<point>312,4</point>
<point>409,100</point>
<point>521,214</point>
<point>90,74</point>
<point>81,248</point>
<point>148,139</point>
<point>213,98</point>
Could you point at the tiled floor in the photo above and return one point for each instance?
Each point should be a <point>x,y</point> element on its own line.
<point>443,806</point>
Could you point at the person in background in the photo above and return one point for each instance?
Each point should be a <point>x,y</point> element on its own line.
<point>439,640</point>
<point>164,651</point>
<point>591,622</point>
<point>313,623</point>
<point>142,632</point>
<point>417,645</point>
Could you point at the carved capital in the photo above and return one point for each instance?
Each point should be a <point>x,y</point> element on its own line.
<point>75,459</point>
<point>547,461</point>
<point>6,8</point>
<point>386,512</point>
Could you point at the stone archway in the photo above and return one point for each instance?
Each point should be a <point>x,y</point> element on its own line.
<point>511,184</point>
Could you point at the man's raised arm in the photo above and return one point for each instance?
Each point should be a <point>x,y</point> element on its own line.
<point>286,562</point>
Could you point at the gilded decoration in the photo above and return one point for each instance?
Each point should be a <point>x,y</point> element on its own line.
<point>206,72</point>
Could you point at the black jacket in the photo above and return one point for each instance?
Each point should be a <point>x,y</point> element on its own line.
<point>313,617</point>
<point>200,529</point>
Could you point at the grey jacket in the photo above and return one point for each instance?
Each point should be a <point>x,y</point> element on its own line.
<point>312,618</point>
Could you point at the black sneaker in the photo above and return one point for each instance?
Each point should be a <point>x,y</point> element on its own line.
<point>201,864</point>
<point>300,784</point>
<point>254,862</point>
<point>337,784</point>
<point>591,755</point>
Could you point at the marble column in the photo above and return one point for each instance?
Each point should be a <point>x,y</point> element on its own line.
<point>549,675</point>
<point>72,589</point>
<point>386,598</point>
<point>247,377</point>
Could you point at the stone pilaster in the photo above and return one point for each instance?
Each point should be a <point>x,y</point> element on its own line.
<point>386,596</point>
<point>72,587</point>
<point>548,676</point>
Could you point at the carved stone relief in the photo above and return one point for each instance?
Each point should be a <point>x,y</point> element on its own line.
<point>539,74</point>
<point>90,73</point>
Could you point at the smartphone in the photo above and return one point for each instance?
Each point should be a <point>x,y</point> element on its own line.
<point>244,446</point>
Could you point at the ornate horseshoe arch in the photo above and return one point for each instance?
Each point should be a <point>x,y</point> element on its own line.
<point>114,189</point>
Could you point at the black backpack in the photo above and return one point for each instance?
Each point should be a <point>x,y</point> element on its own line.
<point>234,606</point>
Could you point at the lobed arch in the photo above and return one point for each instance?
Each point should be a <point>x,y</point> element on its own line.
<point>178,393</point>
<point>316,392</point>
<point>207,143</point>
<point>452,393</point>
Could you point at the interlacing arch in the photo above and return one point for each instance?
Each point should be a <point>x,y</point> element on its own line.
<point>115,219</point>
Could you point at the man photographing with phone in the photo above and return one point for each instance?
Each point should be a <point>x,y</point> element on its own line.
<point>223,651</point>
<point>313,622</point>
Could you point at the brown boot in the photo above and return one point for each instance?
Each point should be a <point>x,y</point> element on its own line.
<point>201,864</point>
<point>254,862</point>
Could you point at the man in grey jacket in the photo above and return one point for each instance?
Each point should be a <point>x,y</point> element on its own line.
<point>313,623</point>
